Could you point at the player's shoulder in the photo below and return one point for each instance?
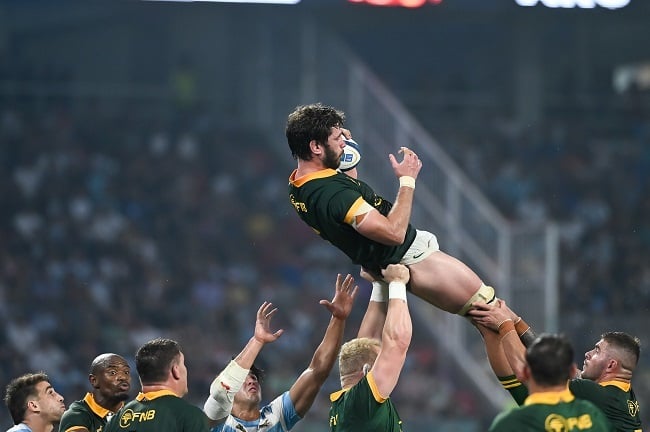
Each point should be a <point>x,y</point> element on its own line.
<point>181,403</point>
<point>577,384</point>
<point>342,181</point>
<point>277,405</point>
<point>585,404</point>
<point>505,419</point>
<point>76,407</point>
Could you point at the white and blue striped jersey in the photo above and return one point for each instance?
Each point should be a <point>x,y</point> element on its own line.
<point>22,427</point>
<point>278,416</point>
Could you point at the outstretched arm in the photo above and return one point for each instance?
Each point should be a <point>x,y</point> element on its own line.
<point>304,390</point>
<point>397,331</point>
<point>391,229</point>
<point>500,318</point>
<point>375,316</point>
<point>224,387</point>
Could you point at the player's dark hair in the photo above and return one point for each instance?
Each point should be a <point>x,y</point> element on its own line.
<point>550,358</point>
<point>628,344</point>
<point>19,390</point>
<point>311,122</point>
<point>257,371</point>
<point>155,358</point>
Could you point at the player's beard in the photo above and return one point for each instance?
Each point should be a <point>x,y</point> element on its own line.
<point>332,159</point>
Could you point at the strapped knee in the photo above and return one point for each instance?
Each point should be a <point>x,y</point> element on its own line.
<point>485,294</point>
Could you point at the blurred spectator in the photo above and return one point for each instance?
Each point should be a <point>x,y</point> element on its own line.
<point>119,225</point>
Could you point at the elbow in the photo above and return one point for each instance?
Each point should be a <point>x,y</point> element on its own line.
<point>318,375</point>
<point>404,341</point>
<point>320,368</point>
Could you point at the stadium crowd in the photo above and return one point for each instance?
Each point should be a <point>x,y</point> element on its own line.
<point>592,177</point>
<point>118,228</point>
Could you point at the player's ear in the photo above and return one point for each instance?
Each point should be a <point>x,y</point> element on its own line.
<point>93,380</point>
<point>611,364</point>
<point>175,371</point>
<point>315,147</point>
<point>32,405</point>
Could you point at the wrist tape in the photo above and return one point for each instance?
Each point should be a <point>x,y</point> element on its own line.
<point>397,290</point>
<point>379,292</point>
<point>504,322</point>
<point>525,332</point>
<point>505,327</point>
<point>407,181</point>
<point>223,390</point>
<point>521,326</point>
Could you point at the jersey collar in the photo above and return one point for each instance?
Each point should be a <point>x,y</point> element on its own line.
<point>625,386</point>
<point>337,394</point>
<point>370,379</point>
<point>327,172</point>
<point>97,408</point>
<point>154,394</point>
<point>550,398</point>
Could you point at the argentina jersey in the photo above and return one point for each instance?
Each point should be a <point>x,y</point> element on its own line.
<point>278,416</point>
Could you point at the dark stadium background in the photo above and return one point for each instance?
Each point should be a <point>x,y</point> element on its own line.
<point>142,194</point>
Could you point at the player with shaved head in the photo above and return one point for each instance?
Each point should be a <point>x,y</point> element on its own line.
<point>110,378</point>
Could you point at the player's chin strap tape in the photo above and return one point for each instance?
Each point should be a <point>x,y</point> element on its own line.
<point>223,390</point>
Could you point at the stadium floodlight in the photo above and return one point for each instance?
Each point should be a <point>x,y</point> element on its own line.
<point>584,4</point>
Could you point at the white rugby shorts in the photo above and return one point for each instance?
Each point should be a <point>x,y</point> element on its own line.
<point>425,244</point>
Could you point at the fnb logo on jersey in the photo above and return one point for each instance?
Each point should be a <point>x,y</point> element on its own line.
<point>633,407</point>
<point>558,423</point>
<point>130,416</point>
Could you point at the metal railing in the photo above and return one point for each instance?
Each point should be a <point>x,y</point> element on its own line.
<point>520,261</point>
<point>279,71</point>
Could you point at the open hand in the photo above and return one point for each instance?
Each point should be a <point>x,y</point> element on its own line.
<point>490,315</point>
<point>409,166</point>
<point>346,291</point>
<point>263,332</point>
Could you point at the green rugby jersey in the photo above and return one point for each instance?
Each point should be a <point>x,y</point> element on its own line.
<point>615,398</point>
<point>552,412</point>
<point>84,413</point>
<point>362,409</point>
<point>327,200</point>
<point>160,411</point>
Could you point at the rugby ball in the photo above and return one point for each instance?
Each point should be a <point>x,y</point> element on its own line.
<point>351,155</point>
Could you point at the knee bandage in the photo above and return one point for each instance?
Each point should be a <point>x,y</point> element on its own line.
<point>485,294</point>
